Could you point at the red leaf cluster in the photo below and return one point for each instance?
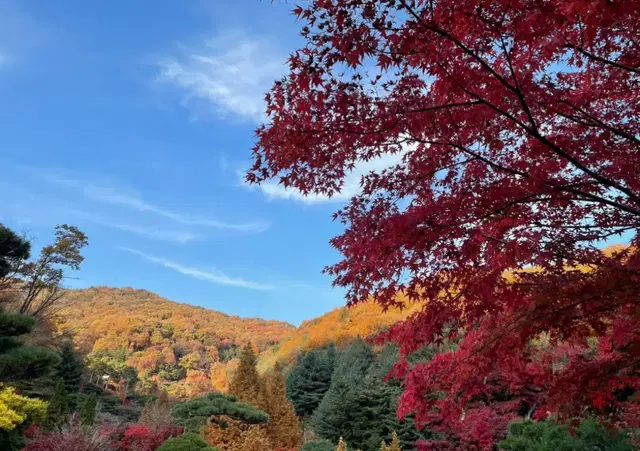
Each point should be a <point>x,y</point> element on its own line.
<point>141,438</point>
<point>507,138</point>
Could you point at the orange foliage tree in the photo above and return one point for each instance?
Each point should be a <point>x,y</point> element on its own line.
<point>246,384</point>
<point>283,427</point>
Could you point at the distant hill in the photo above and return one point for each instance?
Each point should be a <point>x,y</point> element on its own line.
<point>182,347</point>
<point>339,326</point>
<point>190,350</point>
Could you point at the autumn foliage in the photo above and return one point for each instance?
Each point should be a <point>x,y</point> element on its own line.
<point>510,131</point>
<point>142,438</point>
<point>340,326</point>
<point>283,428</point>
<point>187,350</point>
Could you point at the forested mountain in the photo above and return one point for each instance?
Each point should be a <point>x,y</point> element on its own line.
<point>340,326</point>
<point>184,348</point>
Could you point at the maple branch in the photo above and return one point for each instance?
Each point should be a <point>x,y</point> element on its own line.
<point>600,59</point>
<point>615,130</point>
<point>442,107</point>
<point>559,151</point>
<point>515,172</point>
<point>518,90</point>
<point>532,131</point>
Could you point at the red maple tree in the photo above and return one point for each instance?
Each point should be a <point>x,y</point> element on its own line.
<point>516,130</point>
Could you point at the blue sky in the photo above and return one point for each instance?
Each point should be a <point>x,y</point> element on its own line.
<point>134,121</point>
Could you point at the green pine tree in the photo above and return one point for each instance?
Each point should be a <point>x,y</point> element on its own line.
<point>88,411</point>
<point>310,378</point>
<point>58,409</point>
<point>318,445</point>
<point>360,406</point>
<point>70,368</point>
<point>20,362</point>
<point>198,411</point>
<point>13,249</point>
<point>526,435</point>
<point>335,415</point>
<point>188,441</point>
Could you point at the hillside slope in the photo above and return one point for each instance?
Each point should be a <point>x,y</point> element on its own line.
<point>340,326</point>
<point>185,348</point>
<point>191,350</point>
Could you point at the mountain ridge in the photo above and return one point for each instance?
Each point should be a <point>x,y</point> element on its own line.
<point>191,349</point>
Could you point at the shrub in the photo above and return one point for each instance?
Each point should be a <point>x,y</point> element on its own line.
<point>72,437</point>
<point>88,412</point>
<point>195,413</point>
<point>157,413</point>
<point>141,438</point>
<point>551,436</point>
<point>17,413</point>
<point>318,445</point>
<point>186,442</point>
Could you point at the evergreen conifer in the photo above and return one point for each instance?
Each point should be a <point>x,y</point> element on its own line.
<point>58,408</point>
<point>70,368</point>
<point>246,383</point>
<point>88,411</point>
<point>283,427</point>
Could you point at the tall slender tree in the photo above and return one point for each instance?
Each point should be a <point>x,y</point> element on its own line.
<point>58,408</point>
<point>246,383</point>
<point>334,417</point>
<point>88,411</point>
<point>283,427</point>
<point>70,368</point>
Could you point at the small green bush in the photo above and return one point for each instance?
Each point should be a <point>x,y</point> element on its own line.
<point>551,436</point>
<point>318,445</point>
<point>188,441</point>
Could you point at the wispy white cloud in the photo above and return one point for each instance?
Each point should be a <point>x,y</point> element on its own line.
<point>115,195</point>
<point>230,72</point>
<point>154,233</point>
<point>213,276</point>
<point>273,190</point>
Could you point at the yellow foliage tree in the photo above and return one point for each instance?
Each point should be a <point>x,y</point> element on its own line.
<point>395,443</point>
<point>283,427</point>
<point>197,383</point>
<point>246,384</point>
<point>393,446</point>
<point>219,378</point>
<point>16,409</point>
